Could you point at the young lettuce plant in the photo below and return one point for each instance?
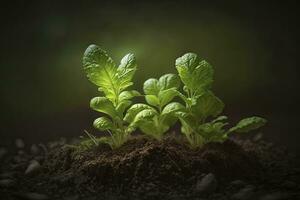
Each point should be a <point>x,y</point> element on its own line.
<point>200,119</point>
<point>160,115</point>
<point>113,82</point>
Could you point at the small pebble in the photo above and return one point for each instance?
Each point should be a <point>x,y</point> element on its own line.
<point>33,167</point>
<point>207,184</point>
<point>245,193</point>
<point>7,183</point>
<point>19,143</point>
<point>34,149</point>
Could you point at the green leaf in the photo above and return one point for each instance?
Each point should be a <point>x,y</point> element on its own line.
<point>151,86</point>
<point>107,140</point>
<point>134,110</point>
<point>123,105</point>
<point>213,132</point>
<point>203,76</point>
<point>172,108</point>
<point>128,62</point>
<point>102,104</point>
<point>168,81</point>
<point>127,95</point>
<point>248,124</point>
<point>183,97</point>
<point>162,91</point>
<point>147,127</point>
<point>196,75</point>
<point>124,100</point>
<point>187,120</point>
<point>126,71</point>
<point>152,100</point>
<point>103,123</point>
<point>189,129</point>
<point>220,118</point>
<point>188,60</point>
<point>101,70</point>
<point>208,105</point>
<point>211,129</point>
<point>112,81</point>
<point>168,114</point>
<point>144,116</point>
<point>165,96</point>
<point>95,62</point>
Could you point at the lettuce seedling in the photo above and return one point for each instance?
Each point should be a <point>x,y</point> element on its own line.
<point>157,117</point>
<point>200,119</point>
<point>113,82</point>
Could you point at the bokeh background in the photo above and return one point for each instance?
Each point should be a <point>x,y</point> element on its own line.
<point>253,46</point>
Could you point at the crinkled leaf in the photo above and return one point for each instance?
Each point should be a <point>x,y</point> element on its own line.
<point>196,75</point>
<point>155,131</point>
<point>203,76</point>
<point>123,105</point>
<point>187,119</point>
<point>151,86</point>
<point>101,70</point>
<point>126,71</point>
<point>152,100</point>
<point>128,62</point>
<point>220,118</point>
<point>95,63</point>
<point>188,60</point>
<point>210,129</point>
<point>187,100</point>
<point>106,140</point>
<point>208,105</point>
<point>165,96</point>
<point>102,104</point>
<point>171,108</point>
<point>103,123</point>
<point>248,124</point>
<point>127,95</point>
<point>213,132</point>
<point>168,114</point>
<point>168,81</point>
<point>147,127</point>
<point>134,110</point>
<point>124,100</point>
<point>144,116</point>
<point>162,91</point>
<point>189,128</point>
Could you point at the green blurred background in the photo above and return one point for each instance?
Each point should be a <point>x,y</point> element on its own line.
<point>45,94</point>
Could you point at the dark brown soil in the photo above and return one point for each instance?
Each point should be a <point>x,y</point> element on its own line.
<point>147,169</point>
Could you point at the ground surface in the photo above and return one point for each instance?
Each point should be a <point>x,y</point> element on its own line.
<point>149,169</point>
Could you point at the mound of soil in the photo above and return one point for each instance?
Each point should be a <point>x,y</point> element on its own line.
<point>146,169</point>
